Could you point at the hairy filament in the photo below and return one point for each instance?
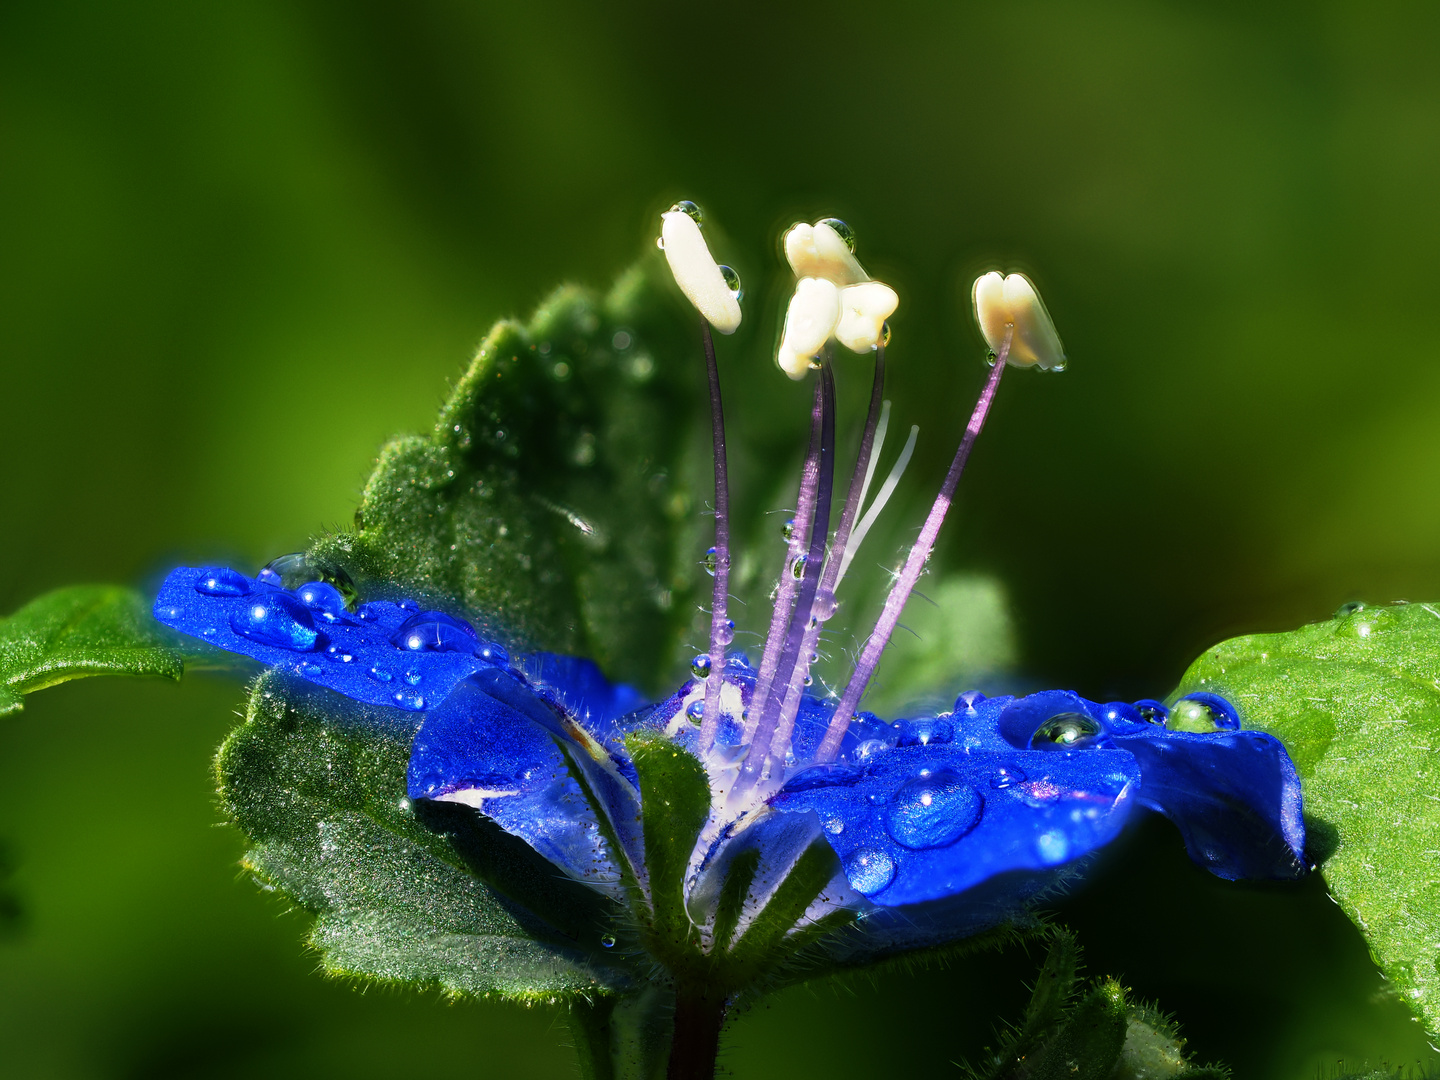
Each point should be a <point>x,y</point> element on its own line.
<point>824,605</point>
<point>785,590</point>
<point>880,429</point>
<point>914,565</point>
<point>759,752</point>
<point>881,498</point>
<point>720,632</point>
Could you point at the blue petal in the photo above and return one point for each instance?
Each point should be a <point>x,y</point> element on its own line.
<point>476,750</point>
<point>384,654</point>
<point>1234,795</point>
<point>921,823</point>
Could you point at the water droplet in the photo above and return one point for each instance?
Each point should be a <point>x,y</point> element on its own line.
<point>223,582</point>
<point>408,700</point>
<point>925,732</point>
<point>340,653</point>
<point>732,282</point>
<point>846,233</point>
<point>867,749</point>
<point>933,810</point>
<point>279,620</point>
<point>1349,609</point>
<point>660,242</point>
<point>797,567</point>
<point>825,605</point>
<point>788,529</point>
<point>322,598</point>
<point>1066,731</point>
<point>310,670</point>
<point>712,561</point>
<point>727,632</point>
<point>413,677</point>
<point>1052,846</point>
<point>832,774</point>
<point>434,631</point>
<point>1151,711</point>
<point>834,826</point>
<point>493,653</point>
<point>608,941</point>
<point>380,675</point>
<point>869,870</point>
<point>685,206</point>
<point>1007,776</point>
<point>695,711</point>
<point>1203,713</point>
<point>885,333</point>
<point>292,571</point>
<point>700,666</point>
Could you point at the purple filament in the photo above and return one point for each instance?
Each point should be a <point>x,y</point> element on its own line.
<point>760,744</point>
<point>785,590</point>
<point>825,597</point>
<point>720,634</point>
<point>914,565</point>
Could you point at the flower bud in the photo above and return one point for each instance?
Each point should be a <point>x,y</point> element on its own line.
<point>863,311</point>
<point>809,322</point>
<point>697,273</point>
<point>819,251</point>
<point>1011,300</point>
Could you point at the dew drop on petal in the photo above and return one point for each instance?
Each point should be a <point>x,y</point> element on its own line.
<point>380,675</point>
<point>869,870</point>
<point>832,774</point>
<point>1007,776</point>
<point>695,711</point>
<point>1065,731</point>
<point>835,826</point>
<point>322,598</point>
<point>223,582</point>
<point>1151,711</point>
<point>434,631</point>
<point>493,652</point>
<point>278,620</point>
<point>933,810</point>
<point>929,731</point>
<point>1203,714</point>
<point>339,653</point>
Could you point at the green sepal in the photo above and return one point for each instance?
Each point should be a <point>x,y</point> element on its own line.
<point>1356,701</point>
<point>1049,997</point>
<point>764,939</point>
<point>421,894</point>
<point>675,804</point>
<point>78,631</point>
<point>730,905</point>
<point>1087,1045</point>
<point>551,504</point>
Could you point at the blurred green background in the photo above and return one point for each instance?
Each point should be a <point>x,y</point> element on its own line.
<point>244,243</point>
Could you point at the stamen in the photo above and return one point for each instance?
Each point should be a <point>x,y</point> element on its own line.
<point>914,565</point>
<point>785,590</point>
<point>720,632</point>
<point>759,753</point>
<point>881,498</point>
<point>824,605</point>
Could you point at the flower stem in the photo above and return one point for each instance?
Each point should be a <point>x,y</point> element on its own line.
<point>914,565</point>
<point>785,591</point>
<point>720,633</point>
<point>699,1017</point>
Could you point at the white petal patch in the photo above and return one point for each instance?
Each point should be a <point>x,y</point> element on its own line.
<point>474,796</point>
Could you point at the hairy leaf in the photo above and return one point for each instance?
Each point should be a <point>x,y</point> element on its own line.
<point>79,631</point>
<point>1356,701</point>
<point>447,900</point>
<point>552,498</point>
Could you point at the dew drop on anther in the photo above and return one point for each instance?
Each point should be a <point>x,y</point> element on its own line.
<point>732,282</point>
<point>869,870</point>
<point>688,208</point>
<point>223,582</point>
<point>846,232</point>
<point>933,810</point>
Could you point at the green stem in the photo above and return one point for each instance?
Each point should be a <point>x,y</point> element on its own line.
<point>699,1015</point>
<point>622,1038</point>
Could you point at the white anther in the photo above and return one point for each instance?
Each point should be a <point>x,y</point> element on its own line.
<point>697,273</point>
<point>809,322</point>
<point>863,311</point>
<point>1001,301</point>
<point>819,251</point>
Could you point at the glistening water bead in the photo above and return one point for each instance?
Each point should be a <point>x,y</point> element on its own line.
<point>223,582</point>
<point>434,631</point>
<point>845,232</point>
<point>732,282</point>
<point>933,810</point>
<point>869,870</point>
<point>1067,731</point>
<point>280,620</point>
<point>700,666</point>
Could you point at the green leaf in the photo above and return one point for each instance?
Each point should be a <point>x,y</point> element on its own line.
<point>79,631</point>
<point>555,497</point>
<point>427,894</point>
<point>1356,701</point>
